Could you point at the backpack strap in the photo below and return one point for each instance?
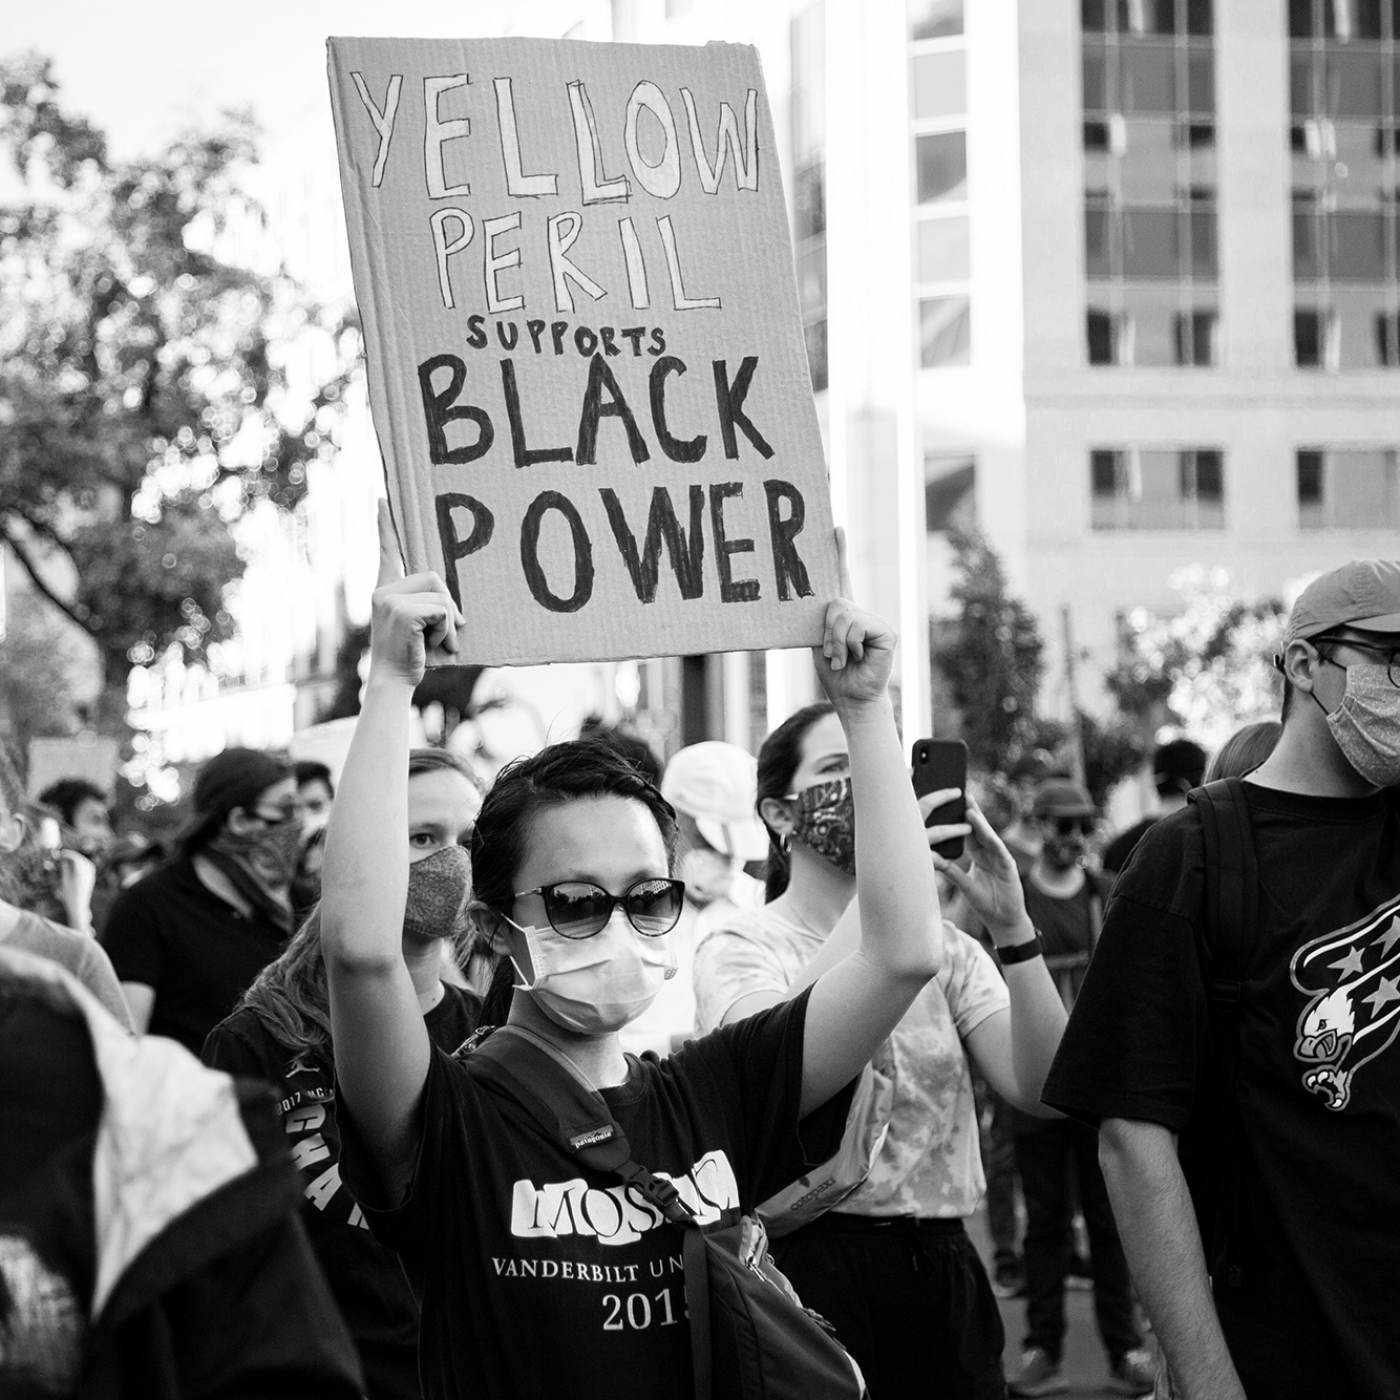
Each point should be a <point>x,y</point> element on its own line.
<point>553,1090</point>
<point>1229,936</point>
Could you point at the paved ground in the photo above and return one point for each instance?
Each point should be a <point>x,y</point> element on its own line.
<point>1085,1366</point>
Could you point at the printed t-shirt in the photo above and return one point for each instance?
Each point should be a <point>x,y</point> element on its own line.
<point>540,1276</point>
<point>365,1276</point>
<point>200,954</point>
<point>931,1162</point>
<point>1319,1068</point>
<point>75,952</point>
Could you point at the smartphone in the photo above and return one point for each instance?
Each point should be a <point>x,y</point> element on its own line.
<point>942,763</point>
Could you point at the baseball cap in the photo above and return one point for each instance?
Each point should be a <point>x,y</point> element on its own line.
<point>717,784</point>
<point>1058,797</point>
<point>1364,594</point>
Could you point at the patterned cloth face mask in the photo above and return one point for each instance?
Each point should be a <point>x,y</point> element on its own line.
<point>597,984</point>
<point>439,888</point>
<point>1366,725</point>
<point>826,822</point>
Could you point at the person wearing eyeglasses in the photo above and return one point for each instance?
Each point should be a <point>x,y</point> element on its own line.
<point>1286,1287</point>
<point>188,939</point>
<point>537,1274</point>
<point>1056,1158</point>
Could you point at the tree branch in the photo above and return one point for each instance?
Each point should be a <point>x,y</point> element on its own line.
<point>30,568</point>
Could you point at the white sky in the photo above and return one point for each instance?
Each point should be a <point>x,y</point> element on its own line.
<point>145,70</point>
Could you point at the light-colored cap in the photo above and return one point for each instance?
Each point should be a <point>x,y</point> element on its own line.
<point>1364,594</point>
<point>717,784</point>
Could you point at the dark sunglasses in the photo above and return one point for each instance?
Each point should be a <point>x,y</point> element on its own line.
<point>579,908</point>
<point>1067,826</point>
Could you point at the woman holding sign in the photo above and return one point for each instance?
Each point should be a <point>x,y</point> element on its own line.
<point>537,1275</point>
<point>892,1266</point>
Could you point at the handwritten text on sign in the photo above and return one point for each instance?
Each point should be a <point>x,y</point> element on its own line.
<point>586,361</point>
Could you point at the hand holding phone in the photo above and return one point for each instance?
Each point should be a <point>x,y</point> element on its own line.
<point>942,763</point>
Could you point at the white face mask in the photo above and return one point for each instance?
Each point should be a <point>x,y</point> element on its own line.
<point>598,984</point>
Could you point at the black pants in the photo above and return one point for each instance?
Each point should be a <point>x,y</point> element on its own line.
<point>1050,1156</point>
<point>909,1299</point>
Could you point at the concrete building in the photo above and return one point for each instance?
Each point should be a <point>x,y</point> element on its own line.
<point>1116,281</point>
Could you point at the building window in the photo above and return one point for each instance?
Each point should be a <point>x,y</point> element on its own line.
<point>1388,338</point>
<point>1347,488</point>
<point>943,252</point>
<point>945,331</point>
<point>941,166</point>
<point>1150,236</point>
<point>950,480</point>
<point>1314,340</point>
<point>1143,488</point>
<point>939,82</point>
<point>935,19</point>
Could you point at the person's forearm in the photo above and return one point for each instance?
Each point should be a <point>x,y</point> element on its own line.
<point>896,887</point>
<point>364,883</point>
<point>1037,1022</point>
<point>1160,1237</point>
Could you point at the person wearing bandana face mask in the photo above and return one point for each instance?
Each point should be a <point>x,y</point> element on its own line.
<point>891,1265</point>
<point>281,1034</point>
<point>1305,1309</point>
<point>189,938</point>
<point>540,1274</point>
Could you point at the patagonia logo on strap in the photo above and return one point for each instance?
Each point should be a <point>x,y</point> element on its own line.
<point>592,1137</point>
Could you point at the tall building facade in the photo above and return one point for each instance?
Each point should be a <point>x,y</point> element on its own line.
<point>1117,281</point>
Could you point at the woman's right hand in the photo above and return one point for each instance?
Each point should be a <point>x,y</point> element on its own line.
<point>412,619</point>
<point>991,884</point>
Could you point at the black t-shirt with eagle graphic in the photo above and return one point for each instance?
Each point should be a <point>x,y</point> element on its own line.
<point>1319,1068</point>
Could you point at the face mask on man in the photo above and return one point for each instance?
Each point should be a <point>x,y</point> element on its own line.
<point>439,889</point>
<point>598,984</point>
<point>826,822</point>
<point>1366,725</point>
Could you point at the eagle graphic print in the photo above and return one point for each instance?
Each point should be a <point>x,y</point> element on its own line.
<point>1351,978</point>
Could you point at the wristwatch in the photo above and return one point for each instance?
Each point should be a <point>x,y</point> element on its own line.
<point>1021,952</point>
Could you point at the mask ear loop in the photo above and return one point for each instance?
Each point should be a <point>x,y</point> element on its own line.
<point>522,985</point>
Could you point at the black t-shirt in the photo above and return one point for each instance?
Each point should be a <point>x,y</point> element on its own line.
<point>541,1277</point>
<point>172,933</point>
<point>1068,928</point>
<point>1116,853</point>
<point>1319,1069</point>
<point>364,1275</point>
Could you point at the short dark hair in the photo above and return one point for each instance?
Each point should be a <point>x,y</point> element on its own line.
<point>632,747</point>
<point>65,795</point>
<point>312,770</point>
<point>558,774</point>
<point>1177,767</point>
<point>778,761</point>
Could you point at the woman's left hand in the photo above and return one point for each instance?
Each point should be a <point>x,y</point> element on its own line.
<point>991,883</point>
<point>856,654</point>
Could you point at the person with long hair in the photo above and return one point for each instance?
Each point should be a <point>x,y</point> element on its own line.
<point>538,1274</point>
<point>281,1033</point>
<point>892,1267</point>
<point>20,926</point>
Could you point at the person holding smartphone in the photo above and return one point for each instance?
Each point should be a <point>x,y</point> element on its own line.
<point>893,1268</point>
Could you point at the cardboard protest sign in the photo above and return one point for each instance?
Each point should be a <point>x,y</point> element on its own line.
<point>585,359</point>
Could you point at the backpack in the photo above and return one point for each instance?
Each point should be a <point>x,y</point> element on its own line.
<point>750,1336</point>
<point>1213,1149</point>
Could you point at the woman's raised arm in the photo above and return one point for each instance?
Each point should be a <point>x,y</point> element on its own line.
<point>381,1046</point>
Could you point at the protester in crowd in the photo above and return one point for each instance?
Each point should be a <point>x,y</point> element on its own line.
<point>316,792</point>
<point>23,929</point>
<point>711,786</point>
<point>149,1245</point>
<point>1177,767</point>
<point>571,865</point>
<point>1301,1136</point>
<point>82,808</point>
<point>188,939</point>
<point>281,1033</point>
<point>892,1267</point>
<point>1056,1159</point>
<point>1244,750</point>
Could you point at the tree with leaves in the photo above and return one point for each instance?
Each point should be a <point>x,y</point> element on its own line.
<point>145,398</point>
